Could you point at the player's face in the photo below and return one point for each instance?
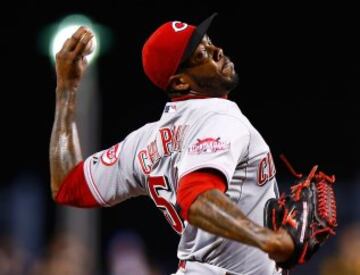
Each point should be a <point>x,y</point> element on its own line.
<point>210,70</point>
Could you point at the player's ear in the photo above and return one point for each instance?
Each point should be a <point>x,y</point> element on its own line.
<point>178,83</point>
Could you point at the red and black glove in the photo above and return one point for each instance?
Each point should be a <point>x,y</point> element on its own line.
<point>308,214</point>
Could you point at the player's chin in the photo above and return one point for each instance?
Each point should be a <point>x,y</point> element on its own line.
<point>228,71</point>
<point>230,82</point>
<point>229,76</point>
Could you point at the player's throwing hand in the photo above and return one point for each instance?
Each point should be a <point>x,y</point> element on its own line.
<point>70,60</point>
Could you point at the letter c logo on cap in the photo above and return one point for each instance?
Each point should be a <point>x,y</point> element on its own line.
<point>179,26</point>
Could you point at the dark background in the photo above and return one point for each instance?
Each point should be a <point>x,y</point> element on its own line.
<point>299,78</point>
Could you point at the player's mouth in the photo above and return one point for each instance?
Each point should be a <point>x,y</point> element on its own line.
<point>228,67</point>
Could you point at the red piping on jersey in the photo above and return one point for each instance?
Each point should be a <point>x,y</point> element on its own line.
<point>95,189</point>
<point>186,97</point>
<point>74,190</point>
<point>194,184</point>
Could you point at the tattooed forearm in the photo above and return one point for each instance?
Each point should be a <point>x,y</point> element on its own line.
<point>65,150</point>
<point>70,66</point>
<point>214,212</point>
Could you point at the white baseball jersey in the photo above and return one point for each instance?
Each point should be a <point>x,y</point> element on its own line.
<point>190,135</point>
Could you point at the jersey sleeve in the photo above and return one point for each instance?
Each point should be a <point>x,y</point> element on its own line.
<point>111,176</point>
<point>220,142</point>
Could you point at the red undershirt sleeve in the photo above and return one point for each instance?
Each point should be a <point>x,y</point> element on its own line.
<point>74,190</point>
<point>194,184</point>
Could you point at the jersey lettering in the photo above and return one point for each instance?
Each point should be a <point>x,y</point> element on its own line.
<point>166,140</point>
<point>153,152</point>
<point>160,183</point>
<point>266,169</point>
<point>144,160</point>
<point>179,133</point>
<point>171,140</point>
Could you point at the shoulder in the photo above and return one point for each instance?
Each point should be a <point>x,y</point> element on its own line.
<point>226,114</point>
<point>142,131</point>
<point>219,107</point>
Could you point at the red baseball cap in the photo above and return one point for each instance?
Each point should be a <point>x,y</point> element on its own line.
<point>170,45</point>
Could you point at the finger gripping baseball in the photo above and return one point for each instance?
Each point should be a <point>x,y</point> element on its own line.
<point>308,214</point>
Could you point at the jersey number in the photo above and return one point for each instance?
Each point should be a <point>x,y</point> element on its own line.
<point>156,184</point>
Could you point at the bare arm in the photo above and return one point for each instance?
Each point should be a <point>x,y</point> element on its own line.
<point>214,212</point>
<point>65,151</point>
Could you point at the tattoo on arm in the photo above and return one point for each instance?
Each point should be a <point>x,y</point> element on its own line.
<point>214,212</point>
<point>65,151</point>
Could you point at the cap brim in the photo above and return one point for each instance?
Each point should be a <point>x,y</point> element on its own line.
<point>197,36</point>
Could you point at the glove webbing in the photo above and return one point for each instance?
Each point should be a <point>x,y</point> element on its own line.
<point>325,201</point>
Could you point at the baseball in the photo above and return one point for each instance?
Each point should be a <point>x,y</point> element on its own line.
<point>90,47</point>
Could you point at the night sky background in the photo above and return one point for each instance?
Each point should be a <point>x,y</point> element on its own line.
<point>299,73</point>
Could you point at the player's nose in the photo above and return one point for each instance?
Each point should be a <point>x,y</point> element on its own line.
<point>218,54</point>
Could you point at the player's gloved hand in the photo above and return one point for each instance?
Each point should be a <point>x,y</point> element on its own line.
<point>308,214</point>
<point>70,60</point>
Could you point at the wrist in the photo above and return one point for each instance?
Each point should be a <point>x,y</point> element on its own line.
<point>68,86</point>
<point>65,97</point>
<point>281,246</point>
<point>65,89</point>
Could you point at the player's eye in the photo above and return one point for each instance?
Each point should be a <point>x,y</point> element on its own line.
<point>202,54</point>
<point>205,53</point>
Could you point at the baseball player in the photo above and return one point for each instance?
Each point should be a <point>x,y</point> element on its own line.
<point>202,163</point>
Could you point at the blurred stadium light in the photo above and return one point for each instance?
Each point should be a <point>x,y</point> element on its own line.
<point>66,28</point>
<point>52,37</point>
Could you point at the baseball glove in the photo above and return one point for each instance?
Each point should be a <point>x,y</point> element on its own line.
<point>308,214</point>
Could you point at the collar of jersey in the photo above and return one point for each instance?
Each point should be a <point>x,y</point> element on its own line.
<point>187,97</point>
